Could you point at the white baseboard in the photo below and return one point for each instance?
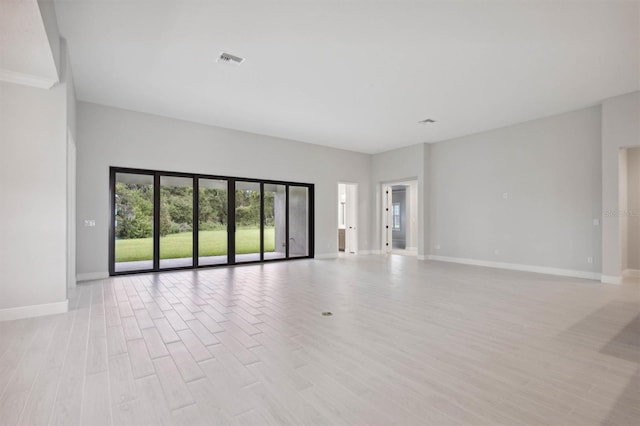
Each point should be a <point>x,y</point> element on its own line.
<point>412,248</point>
<point>610,279</point>
<point>92,276</point>
<point>335,255</point>
<point>635,273</point>
<point>517,267</point>
<point>423,257</point>
<point>20,312</point>
<point>326,256</point>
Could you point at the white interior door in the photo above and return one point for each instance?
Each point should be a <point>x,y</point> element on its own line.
<point>386,219</point>
<point>351,218</point>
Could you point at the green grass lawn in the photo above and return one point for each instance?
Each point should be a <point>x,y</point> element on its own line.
<point>212,243</point>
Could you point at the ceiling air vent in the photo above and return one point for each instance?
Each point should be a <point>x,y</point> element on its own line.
<point>228,58</point>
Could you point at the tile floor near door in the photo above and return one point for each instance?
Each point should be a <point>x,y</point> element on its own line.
<point>409,342</point>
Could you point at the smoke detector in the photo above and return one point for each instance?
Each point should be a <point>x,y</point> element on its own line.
<point>228,58</point>
<point>426,121</point>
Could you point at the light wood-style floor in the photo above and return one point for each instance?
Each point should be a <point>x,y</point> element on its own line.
<point>409,342</point>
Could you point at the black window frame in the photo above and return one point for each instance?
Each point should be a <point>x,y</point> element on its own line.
<point>231,220</point>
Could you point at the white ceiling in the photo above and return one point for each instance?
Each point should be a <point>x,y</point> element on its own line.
<point>25,52</point>
<point>356,74</point>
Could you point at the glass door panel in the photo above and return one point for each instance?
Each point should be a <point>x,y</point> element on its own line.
<point>247,215</point>
<point>176,222</point>
<point>133,222</point>
<point>275,225</point>
<point>212,222</point>
<point>298,221</point>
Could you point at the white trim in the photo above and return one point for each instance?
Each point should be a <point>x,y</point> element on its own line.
<point>635,273</point>
<point>326,256</point>
<point>365,252</point>
<point>412,249</point>
<point>8,314</point>
<point>610,279</point>
<point>423,257</point>
<point>92,276</point>
<point>27,79</point>
<point>71,210</point>
<point>516,267</point>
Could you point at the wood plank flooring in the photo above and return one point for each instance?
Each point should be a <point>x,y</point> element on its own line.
<point>409,342</point>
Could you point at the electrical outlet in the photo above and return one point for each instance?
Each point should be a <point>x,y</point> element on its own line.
<point>505,195</point>
<point>437,246</point>
<point>89,222</point>
<point>496,251</point>
<point>589,259</point>
<point>596,222</point>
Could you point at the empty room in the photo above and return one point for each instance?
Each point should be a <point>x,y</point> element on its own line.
<point>320,212</point>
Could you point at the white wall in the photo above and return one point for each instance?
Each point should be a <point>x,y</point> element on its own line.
<point>550,171</point>
<point>33,182</point>
<point>620,129</point>
<point>399,165</point>
<point>37,188</point>
<point>633,209</point>
<point>115,137</point>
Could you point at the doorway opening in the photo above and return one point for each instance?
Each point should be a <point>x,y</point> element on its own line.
<point>348,218</point>
<point>400,213</point>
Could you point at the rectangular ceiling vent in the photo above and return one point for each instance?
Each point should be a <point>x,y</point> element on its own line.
<point>228,58</point>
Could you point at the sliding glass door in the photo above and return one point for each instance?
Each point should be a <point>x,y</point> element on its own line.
<point>275,221</point>
<point>176,222</point>
<point>247,221</point>
<point>298,221</point>
<point>212,221</point>
<point>168,220</point>
<point>133,224</point>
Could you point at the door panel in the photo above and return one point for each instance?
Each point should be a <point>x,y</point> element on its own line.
<point>275,221</point>
<point>388,219</point>
<point>247,219</point>
<point>352,218</point>
<point>176,222</point>
<point>298,221</point>
<point>212,221</point>
<point>133,222</point>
